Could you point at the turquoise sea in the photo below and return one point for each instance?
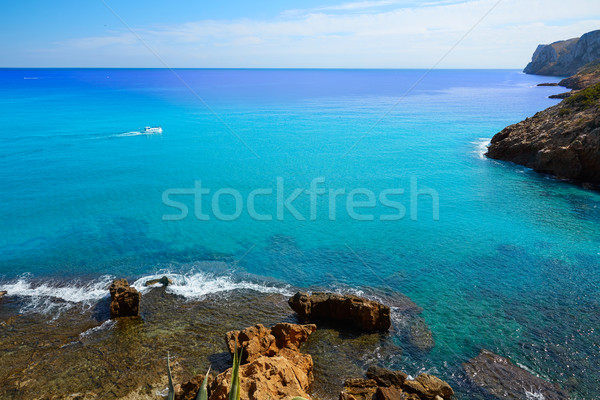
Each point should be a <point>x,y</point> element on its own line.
<point>509,260</point>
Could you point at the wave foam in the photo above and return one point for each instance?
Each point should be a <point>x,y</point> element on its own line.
<point>105,325</point>
<point>481,148</point>
<point>55,297</point>
<point>52,296</point>
<point>198,285</point>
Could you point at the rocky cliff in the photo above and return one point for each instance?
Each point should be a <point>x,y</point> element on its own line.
<point>563,140</point>
<point>565,57</point>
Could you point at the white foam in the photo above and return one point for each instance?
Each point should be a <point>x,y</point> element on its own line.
<point>132,133</point>
<point>481,148</point>
<point>534,395</point>
<point>55,297</point>
<point>49,296</point>
<point>105,325</point>
<point>199,284</point>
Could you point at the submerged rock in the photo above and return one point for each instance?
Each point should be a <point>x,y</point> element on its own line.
<point>384,384</point>
<point>258,341</point>
<point>368,315</point>
<point>420,335</point>
<point>498,377</point>
<point>165,281</point>
<point>125,300</point>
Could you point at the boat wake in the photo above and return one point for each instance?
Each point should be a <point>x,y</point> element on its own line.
<point>132,133</point>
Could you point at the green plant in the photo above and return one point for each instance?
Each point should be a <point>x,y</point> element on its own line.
<point>203,392</point>
<point>171,395</point>
<point>585,99</point>
<point>235,389</point>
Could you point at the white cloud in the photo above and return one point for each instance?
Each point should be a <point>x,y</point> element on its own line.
<point>339,36</point>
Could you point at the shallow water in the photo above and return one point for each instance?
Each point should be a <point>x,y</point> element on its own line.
<point>511,265</point>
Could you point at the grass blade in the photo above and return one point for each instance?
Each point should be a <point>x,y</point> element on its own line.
<point>235,390</point>
<point>171,395</point>
<point>203,393</point>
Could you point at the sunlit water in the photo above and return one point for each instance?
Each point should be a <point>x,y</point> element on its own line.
<point>511,264</point>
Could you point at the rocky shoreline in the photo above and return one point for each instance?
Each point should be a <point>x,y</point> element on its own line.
<point>563,140</point>
<point>101,354</point>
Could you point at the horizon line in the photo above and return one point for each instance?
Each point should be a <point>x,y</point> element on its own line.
<point>278,68</point>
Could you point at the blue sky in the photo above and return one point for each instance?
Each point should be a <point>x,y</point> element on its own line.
<point>286,33</point>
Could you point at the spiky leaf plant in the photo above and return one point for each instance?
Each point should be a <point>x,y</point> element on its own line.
<point>235,389</point>
<point>171,395</point>
<point>203,393</point>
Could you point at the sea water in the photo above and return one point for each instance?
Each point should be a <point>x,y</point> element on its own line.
<point>498,256</point>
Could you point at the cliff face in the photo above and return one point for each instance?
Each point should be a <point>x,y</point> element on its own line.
<point>586,77</point>
<point>565,57</point>
<point>563,140</point>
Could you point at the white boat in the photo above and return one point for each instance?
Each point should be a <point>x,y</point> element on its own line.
<point>152,129</point>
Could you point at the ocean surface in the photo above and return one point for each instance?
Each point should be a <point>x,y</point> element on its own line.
<point>498,256</point>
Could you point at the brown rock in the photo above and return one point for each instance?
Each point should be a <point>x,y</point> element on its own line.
<point>560,95</point>
<point>390,393</point>
<point>273,378</point>
<point>498,377</point>
<point>189,390</point>
<point>587,76</point>
<point>563,140</point>
<point>365,314</point>
<point>384,384</point>
<point>428,387</point>
<point>359,389</point>
<point>385,377</point>
<point>125,300</point>
<point>259,341</point>
<point>2,294</point>
<point>165,281</point>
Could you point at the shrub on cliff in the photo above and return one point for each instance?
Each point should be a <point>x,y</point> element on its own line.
<point>585,99</point>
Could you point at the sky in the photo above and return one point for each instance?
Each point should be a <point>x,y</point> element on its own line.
<point>286,33</point>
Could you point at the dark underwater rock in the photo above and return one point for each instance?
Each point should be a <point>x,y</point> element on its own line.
<point>367,315</point>
<point>498,377</point>
<point>420,335</point>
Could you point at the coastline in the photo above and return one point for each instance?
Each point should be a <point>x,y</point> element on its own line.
<point>83,354</point>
